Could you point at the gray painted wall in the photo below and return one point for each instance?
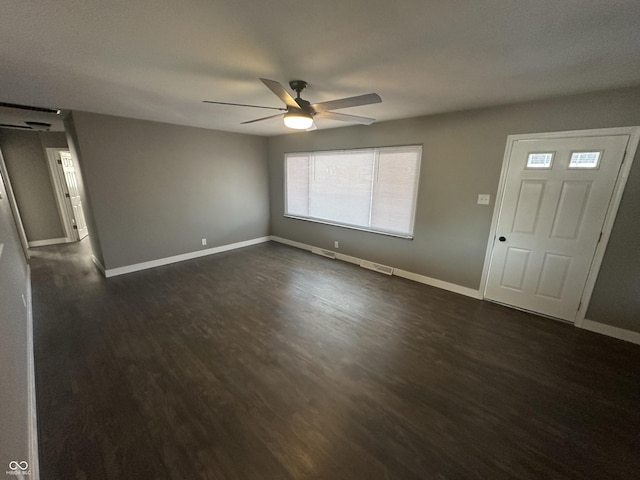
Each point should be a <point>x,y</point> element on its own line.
<point>616,298</point>
<point>14,380</point>
<point>157,189</point>
<point>462,157</point>
<point>85,194</point>
<point>25,157</point>
<point>53,139</point>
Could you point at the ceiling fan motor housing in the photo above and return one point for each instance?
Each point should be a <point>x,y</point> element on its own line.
<point>304,105</point>
<point>298,85</point>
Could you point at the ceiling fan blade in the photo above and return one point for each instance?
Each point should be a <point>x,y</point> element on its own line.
<point>280,92</point>
<point>243,105</point>
<point>312,127</point>
<point>263,118</point>
<point>367,99</point>
<point>345,118</point>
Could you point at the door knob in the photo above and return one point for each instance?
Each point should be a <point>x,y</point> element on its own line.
<point>502,239</point>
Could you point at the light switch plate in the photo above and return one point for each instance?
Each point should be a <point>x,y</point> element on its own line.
<point>484,199</point>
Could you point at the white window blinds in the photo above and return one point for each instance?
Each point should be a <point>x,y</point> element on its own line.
<point>372,189</point>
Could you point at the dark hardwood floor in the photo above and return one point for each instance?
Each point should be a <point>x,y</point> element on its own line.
<point>272,363</point>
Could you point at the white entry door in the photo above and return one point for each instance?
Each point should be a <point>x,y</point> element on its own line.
<point>556,196</point>
<point>73,193</point>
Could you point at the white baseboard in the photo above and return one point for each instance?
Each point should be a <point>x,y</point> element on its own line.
<point>33,422</point>
<point>50,241</point>
<point>291,243</point>
<point>433,282</point>
<point>98,264</point>
<point>590,325</point>
<point>112,272</point>
<point>611,331</point>
<point>348,258</point>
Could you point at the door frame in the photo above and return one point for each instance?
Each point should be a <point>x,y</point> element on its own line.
<point>618,189</point>
<point>62,202</point>
<point>24,242</point>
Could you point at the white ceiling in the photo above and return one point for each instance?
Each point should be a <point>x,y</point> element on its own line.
<point>159,59</point>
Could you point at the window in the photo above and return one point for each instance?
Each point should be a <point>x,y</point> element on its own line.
<point>589,160</point>
<point>372,189</point>
<point>539,160</point>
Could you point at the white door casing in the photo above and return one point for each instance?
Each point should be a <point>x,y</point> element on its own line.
<point>6,181</point>
<point>554,218</point>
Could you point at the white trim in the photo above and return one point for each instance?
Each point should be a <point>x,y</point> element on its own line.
<point>416,277</point>
<point>95,260</point>
<point>323,252</point>
<point>634,138</point>
<point>57,181</point>
<point>50,241</point>
<point>434,282</point>
<point>611,331</point>
<point>32,412</point>
<point>601,248</point>
<point>4,175</point>
<point>292,243</point>
<point>112,272</point>
<point>348,258</point>
<point>351,227</point>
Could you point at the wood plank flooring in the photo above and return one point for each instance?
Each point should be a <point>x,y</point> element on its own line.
<point>272,363</point>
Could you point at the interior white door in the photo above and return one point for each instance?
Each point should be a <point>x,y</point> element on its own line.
<point>74,194</point>
<point>555,200</point>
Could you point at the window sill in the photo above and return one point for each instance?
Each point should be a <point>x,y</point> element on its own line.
<point>351,227</point>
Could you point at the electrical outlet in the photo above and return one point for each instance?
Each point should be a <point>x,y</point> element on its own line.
<point>204,242</point>
<point>484,199</point>
<point>336,244</point>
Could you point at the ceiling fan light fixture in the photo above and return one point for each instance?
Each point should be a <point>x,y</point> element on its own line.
<point>300,113</point>
<point>298,120</point>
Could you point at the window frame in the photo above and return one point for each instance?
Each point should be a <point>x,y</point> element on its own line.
<point>376,152</point>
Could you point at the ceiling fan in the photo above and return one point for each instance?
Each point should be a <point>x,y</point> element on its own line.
<point>300,113</point>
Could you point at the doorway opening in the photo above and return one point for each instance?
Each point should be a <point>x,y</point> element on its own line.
<point>64,179</point>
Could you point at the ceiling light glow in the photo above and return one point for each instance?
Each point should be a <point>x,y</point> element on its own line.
<point>298,120</point>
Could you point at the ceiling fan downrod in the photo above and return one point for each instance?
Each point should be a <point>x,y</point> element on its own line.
<point>297,86</point>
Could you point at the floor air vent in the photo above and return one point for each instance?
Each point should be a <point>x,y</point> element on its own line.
<point>323,252</point>
<point>376,267</point>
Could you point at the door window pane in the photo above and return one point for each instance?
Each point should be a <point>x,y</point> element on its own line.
<point>539,160</point>
<point>585,160</point>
